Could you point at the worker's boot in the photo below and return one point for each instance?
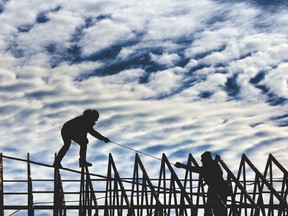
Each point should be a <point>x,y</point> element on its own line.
<point>84,163</point>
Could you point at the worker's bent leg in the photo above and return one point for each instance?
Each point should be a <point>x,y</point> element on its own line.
<point>67,142</point>
<point>83,142</point>
<point>61,154</point>
<point>63,150</point>
<point>83,151</point>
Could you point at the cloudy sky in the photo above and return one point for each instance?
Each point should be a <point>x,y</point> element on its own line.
<point>173,77</point>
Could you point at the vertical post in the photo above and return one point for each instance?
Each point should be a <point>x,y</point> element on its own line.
<point>87,198</point>
<point>108,193</point>
<point>243,193</point>
<point>162,176</point>
<point>92,198</point>
<point>177,181</point>
<point>154,194</point>
<point>56,191</point>
<point>200,186</point>
<point>82,194</point>
<point>29,188</point>
<point>59,207</point>
<point>1,187</point>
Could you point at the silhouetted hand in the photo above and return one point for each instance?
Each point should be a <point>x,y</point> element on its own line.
<point>106,139</point>
<point>178,165</point>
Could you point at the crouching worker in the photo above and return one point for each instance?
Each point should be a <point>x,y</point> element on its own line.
<point>218,189</point>
<point>76,129</point>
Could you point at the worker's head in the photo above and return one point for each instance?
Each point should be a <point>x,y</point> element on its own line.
<point>206,157</point>
<point>91,114</point>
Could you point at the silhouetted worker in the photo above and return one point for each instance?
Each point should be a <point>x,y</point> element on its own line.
<point>217,186</point>
<point>76,129</point>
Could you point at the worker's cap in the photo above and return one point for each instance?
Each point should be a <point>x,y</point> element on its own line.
<point>206,156</point>
<point>91,113</point>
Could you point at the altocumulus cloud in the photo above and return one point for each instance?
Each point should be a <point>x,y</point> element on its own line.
<point>175,77</point>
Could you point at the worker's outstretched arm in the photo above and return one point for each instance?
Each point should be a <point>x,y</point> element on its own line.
<point>99,136</point>
<point>187,167</point>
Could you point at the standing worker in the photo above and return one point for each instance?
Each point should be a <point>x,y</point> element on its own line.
<point>218,188</point>
<point>76,129</point>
